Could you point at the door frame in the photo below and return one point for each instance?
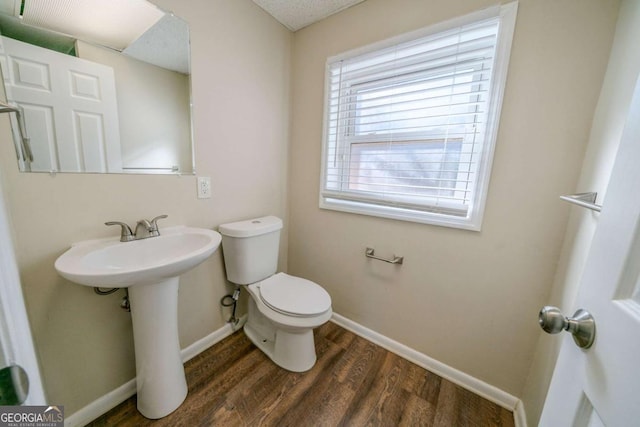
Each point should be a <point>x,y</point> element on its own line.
<point>16,341</point>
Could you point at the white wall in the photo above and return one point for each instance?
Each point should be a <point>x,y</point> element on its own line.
<point>241,65</point>
<point>608,122</point>
<point>467,299</point>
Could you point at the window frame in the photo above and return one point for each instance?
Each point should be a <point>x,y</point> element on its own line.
<point>442,215</point>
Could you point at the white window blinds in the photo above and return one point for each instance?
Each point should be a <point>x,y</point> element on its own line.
<point>409,128</point>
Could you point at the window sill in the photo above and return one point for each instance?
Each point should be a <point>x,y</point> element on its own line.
<point>402,214</point>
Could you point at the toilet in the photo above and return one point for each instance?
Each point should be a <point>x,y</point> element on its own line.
<point>283,309</point>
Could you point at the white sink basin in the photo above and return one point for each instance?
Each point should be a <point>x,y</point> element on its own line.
<point>150,269</point>
<point>111,263</point>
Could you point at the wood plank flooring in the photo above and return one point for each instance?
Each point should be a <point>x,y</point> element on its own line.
<point>354,383</point>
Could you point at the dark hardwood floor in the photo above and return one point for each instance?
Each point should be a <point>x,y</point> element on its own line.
<point>354,383</point>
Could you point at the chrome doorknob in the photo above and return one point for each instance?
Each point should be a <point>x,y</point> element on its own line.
<point>582,325</point>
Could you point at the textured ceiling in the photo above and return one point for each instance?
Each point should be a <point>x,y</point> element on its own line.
<point>296,14</point>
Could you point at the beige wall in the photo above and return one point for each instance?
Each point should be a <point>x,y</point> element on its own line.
<point>608,122</point>
<point>241,64</point>
<point>467,299</point>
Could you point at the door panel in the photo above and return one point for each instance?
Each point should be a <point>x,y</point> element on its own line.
<point>81,124</point>
<point>607,374</point>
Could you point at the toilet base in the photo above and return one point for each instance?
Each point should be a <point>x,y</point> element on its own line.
<point>293,349</point>
<point>293,352</point>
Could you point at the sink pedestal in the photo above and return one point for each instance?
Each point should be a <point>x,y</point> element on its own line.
<point>150,270</point>
<point>160,379</point>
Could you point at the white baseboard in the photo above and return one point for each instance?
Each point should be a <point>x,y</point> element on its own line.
<point>466,381</point>
<point>519,415</point>
<point>215,337</point>
<point>112,399</point>
<point>101,405</point>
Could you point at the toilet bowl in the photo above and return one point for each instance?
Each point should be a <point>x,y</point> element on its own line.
<point>283,309</point>
<point>281,331</point>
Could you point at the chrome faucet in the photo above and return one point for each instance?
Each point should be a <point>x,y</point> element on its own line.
<point>144,229</point>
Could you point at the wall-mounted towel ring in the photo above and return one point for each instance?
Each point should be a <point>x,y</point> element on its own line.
<point>370,253</point>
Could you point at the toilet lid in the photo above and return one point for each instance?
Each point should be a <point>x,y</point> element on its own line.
<point>294,296</point>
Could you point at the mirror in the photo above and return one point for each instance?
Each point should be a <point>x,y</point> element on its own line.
<point>100,86</point>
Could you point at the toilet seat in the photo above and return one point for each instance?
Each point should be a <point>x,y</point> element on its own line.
<point>294,296</point>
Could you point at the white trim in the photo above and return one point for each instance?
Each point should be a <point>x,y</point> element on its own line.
<point>16,341</point>
<point>519,415</point>
<point>480,15</point>
<point>400,214</point>
<point>115,397</point>
<point>101,405</point>
<point>508,14</point>
<point>466,381</point>
<point>213,338</point>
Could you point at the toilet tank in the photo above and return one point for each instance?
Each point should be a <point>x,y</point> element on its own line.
<point>250,249</point>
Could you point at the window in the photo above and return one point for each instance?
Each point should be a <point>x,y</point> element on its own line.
<point>410,124</point>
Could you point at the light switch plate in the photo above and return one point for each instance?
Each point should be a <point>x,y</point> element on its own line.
<point>204,187</point>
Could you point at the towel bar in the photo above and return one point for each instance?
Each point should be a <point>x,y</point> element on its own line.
<point>370,253</point>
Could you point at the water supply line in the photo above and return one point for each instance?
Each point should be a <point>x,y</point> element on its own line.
<point>231,300</point>
<point>124,304</point>
<point>109,291</point>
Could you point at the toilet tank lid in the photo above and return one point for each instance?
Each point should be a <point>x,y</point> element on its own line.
<point>251,227</point>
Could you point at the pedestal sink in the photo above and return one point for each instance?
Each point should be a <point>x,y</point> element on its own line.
<point>150,269</point>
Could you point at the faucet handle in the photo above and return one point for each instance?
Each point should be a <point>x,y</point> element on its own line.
<point>154,224</point>
<point>126,235</point>
<point>155,220</point>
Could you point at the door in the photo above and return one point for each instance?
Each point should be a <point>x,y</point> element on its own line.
<point>600,386</point>
<point>16,346</point>
<point>69,108</point>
